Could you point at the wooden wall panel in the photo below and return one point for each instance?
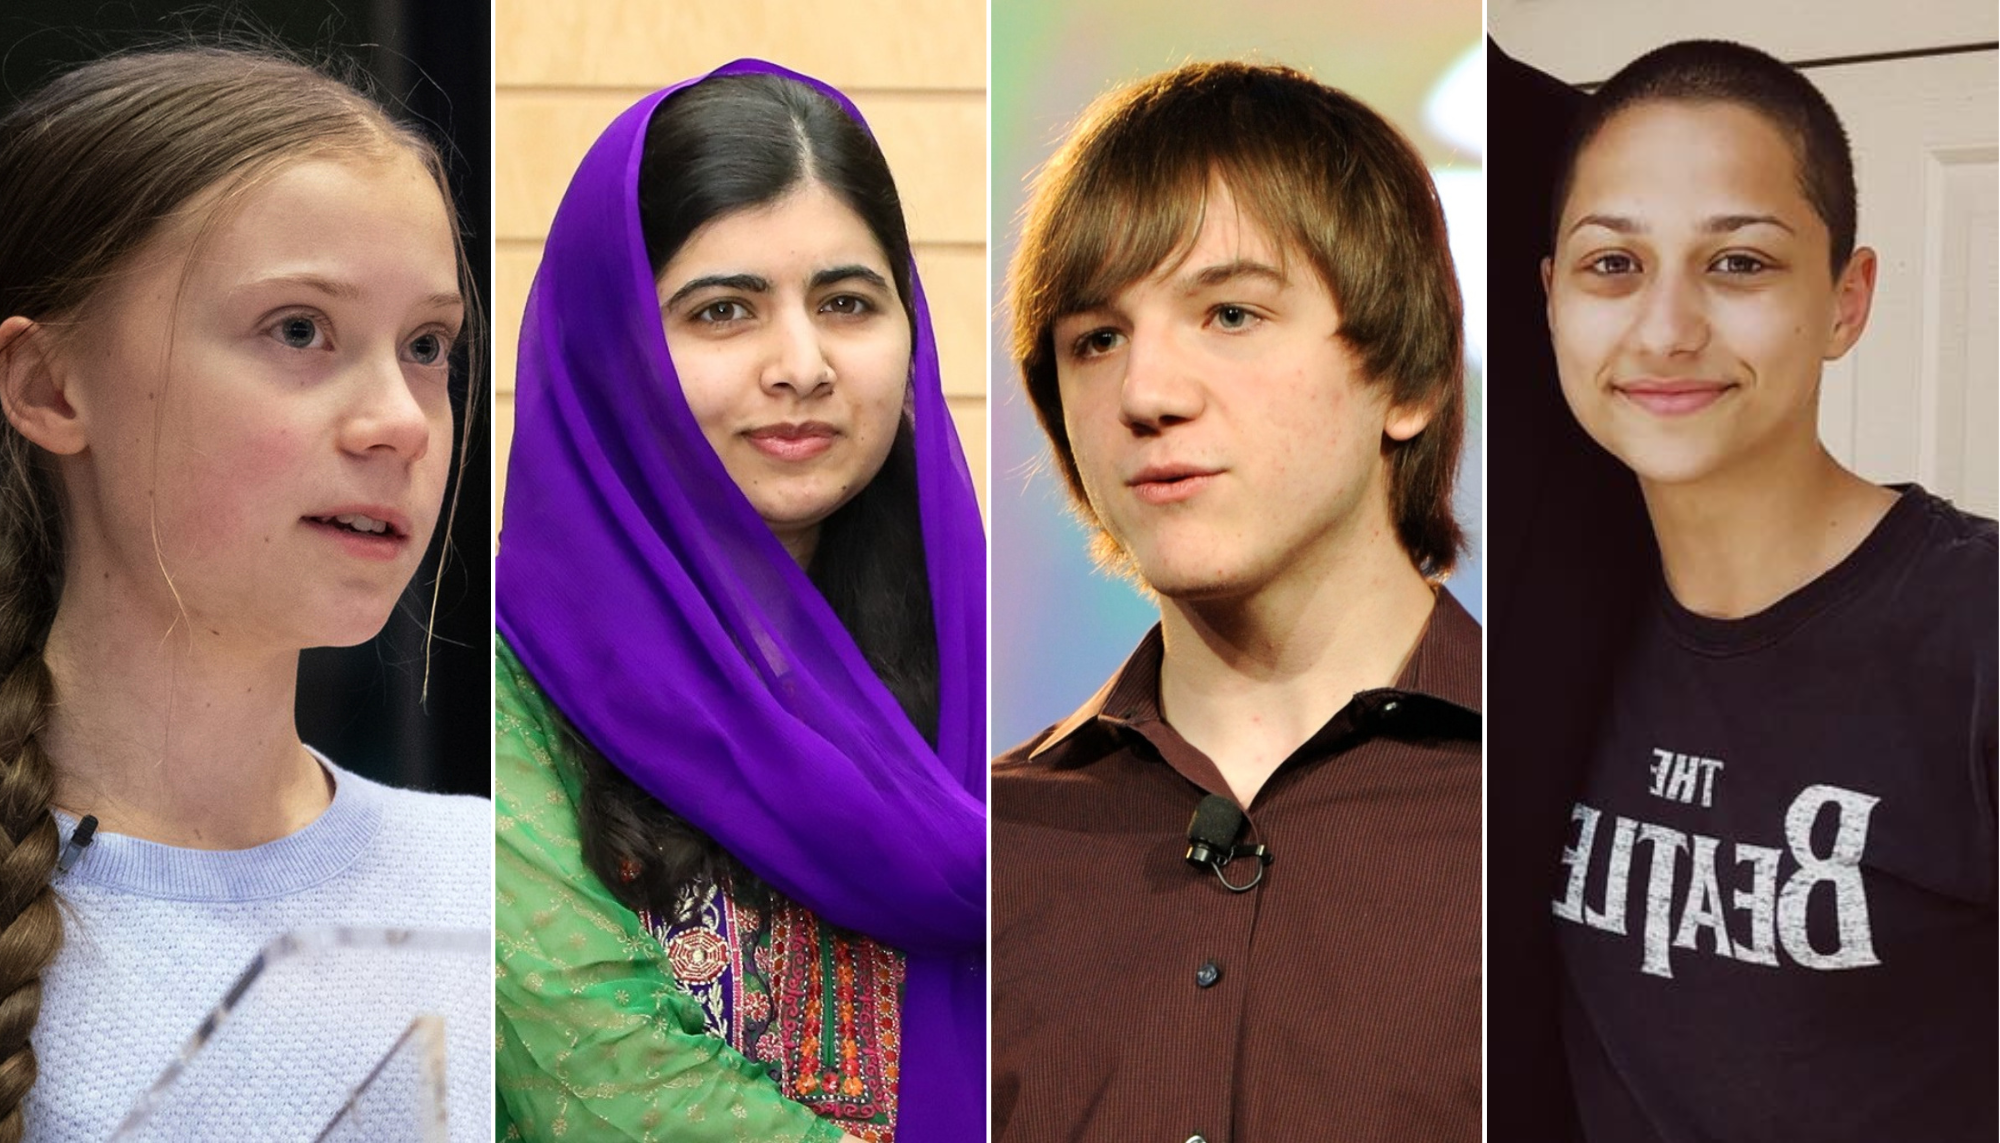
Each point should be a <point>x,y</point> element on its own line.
<point>857,44</point>
<point>928,141</point>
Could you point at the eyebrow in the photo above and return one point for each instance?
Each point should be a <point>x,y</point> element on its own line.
<point>1717,224</point>
<point>348,291</point>
<point>1225,272</point>
<point>748,283</point>
<point>758,284</point>
<point>848,273</point>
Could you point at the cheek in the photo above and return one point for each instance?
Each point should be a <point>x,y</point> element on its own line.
<point>227,488</point>
<point>1776,336</point>
<point>879,388</point>
<point>715,383</point>
<point>1090,422</point>
<point>1583,333</point>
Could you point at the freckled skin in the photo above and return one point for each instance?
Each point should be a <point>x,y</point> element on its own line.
<point>1665,293</point>
<point>242,435</point>
<point>1244,377</point>
<point>836,354</point>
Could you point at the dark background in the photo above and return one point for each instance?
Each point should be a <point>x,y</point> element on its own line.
<point>429,62</point>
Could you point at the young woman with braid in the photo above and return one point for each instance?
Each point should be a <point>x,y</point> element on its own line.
<point>230,291</point>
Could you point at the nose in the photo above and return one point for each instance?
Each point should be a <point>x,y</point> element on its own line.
<point>796,361</point>
<point>1161,386</point>
<point>1671,321</point>
<point>387,415</point>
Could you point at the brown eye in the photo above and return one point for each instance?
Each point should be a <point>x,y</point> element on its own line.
<point>1096,343</point>
<point>849,305</point>
<point>1744,264</point>
<point>722,313</point>
<point>1612,264</point>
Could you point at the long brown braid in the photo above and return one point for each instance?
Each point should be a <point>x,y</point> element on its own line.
<point>91,166</point>
<point>30,926</point>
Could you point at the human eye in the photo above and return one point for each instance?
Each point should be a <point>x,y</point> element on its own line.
<point>1095,343</point>
<point>723,311</point>
<point>430,347</point>
<point>1611,264</point>
<point>1231,318</point>
<point>298,331</point>
<point>847,305</point>
<point>1740,264</point>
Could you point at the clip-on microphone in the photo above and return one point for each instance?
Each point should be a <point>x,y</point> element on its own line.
<point>1212,841</point>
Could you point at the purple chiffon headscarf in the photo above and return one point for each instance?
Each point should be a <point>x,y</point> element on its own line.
<point>663,618</point>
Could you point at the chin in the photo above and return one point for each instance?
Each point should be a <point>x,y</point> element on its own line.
<point>1188,577</point>
<point>350,627</point>
<point>1667,466</point>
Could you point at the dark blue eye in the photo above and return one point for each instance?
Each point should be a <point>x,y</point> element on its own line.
<point>427,349</point>
<point>297,331</point>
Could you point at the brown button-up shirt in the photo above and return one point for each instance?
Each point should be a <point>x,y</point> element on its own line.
<point>1136,999</point>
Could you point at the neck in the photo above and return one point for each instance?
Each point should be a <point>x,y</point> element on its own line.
<point>1740,540</point>
<point>1249,679</point>
<point>174,739</point>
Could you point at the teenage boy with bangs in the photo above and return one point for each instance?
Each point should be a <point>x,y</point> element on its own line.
<point>1236,316</point>
<point>1775,901</point>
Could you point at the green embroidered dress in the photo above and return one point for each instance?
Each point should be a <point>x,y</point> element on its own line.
<point>735,1024</point>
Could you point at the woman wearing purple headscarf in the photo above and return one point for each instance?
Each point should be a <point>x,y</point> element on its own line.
<point>740,689</point>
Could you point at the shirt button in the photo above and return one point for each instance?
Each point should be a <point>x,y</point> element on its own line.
<point>1196,1139</point>
<point>1207,974</point>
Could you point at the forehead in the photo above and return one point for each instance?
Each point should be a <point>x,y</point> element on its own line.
<point>367,220</point>
<point>1664,158</point>
<point>809,225</point>
<point>1223,232</point>
<point>1173,243</point>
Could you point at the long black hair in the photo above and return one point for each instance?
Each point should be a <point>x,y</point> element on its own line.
<point>728,144</point>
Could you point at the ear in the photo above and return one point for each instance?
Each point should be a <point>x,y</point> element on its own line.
<point>1406,421</point>
<point>1853,295</point>
<point>34,390</point>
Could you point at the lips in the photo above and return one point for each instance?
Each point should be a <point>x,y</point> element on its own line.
<point>1171,483</point>
<point>1673,397</point>
<point>370,531</point>
<point>792,440</point>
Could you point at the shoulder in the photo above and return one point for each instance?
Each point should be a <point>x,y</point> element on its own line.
<point>1021,757</point>
<point>445,818</point>
<point>422,824</point>
<point>1956,540</point>
<point>1947,583</point>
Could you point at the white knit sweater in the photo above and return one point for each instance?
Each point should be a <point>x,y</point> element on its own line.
<point>156,935</point>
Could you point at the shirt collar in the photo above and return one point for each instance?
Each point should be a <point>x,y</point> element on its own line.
<point>1445,667</point>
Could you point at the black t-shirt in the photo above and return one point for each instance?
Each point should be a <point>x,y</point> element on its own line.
<point>1777,907</point>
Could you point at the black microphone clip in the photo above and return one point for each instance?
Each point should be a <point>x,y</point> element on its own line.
<point>79,840</point>
<point>1212,835</point>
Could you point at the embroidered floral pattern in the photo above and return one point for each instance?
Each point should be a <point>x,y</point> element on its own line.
<point>821,1007</point>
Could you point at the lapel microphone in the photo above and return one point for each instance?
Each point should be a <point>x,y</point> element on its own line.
<point>1212,835</point>
<point>79,840</point>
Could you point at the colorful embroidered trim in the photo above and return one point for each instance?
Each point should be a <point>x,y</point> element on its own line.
<point>821,1007</point>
